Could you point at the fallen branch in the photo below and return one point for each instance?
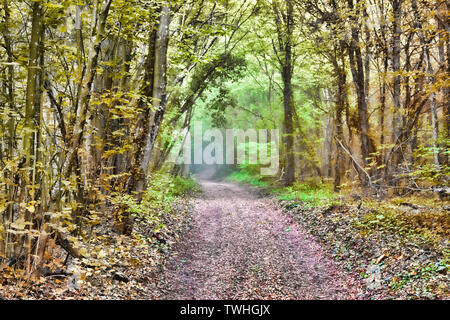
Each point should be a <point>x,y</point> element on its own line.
<point>62,241</point>
<point>355,162</point>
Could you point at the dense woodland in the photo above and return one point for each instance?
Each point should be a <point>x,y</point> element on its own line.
<point>92,90</point>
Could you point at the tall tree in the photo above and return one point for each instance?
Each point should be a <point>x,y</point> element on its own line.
<point>284,21</point>
<point>357,70</point>
<point>158,95</point>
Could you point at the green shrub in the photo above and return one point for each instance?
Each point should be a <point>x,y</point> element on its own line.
<point>162,190</point>
<point>245,177</point>
<point>310,192</point>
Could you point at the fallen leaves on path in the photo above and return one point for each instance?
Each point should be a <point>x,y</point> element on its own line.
<point>240,246</point>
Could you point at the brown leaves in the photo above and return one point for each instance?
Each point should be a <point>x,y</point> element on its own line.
<point>387,236</point>
<point>241,247</point>
<point>112,266</point>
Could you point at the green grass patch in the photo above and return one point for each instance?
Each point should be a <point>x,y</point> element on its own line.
<point>309,192</point>
<point>245,177</point>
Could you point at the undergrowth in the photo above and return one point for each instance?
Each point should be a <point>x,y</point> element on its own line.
<point>310,192</point>
<point>245,177</point>
<point>162,190</point>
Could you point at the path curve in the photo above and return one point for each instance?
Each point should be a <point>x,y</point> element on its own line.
<point>240,246</point>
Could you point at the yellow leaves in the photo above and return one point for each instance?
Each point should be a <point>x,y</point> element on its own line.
<point>109,63</point>
<point>19,225</point>
<point>51,5</point>
<point>65,183</point>
<point>93,218</point>
<point>135,262</point>
<point>101,254</point>
<point>107,177</point>
<point>111,153</point>
<point>3,206</point>
<point>62,28</point>
<point>83,252</point>
<point>11,165</point>
<point>119,133</point>
<point>69,185</point>
<point>30,208</point>
<point>115,151</point>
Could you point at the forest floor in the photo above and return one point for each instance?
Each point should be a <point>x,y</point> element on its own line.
<point>235,241</point>
<point>241,246</point>
<point>245,243</point>
<point>398,249</point>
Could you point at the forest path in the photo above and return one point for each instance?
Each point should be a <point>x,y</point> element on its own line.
<point>239,246</point>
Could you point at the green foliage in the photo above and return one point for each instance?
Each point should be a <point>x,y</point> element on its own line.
<point>250,173</point>
<point>218,105</point>
<point>424,272</point>
<point>245,177</point>
<point>162,191</point>
<point>224,67</point>
<point>310,193</point>
<point>427,171</point>
<point>164,188</point>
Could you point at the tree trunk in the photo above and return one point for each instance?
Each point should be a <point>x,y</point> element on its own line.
<point>285,28</point>
<point>429,81</point>
<point>85,94</point>
<point>158,96</point>
<point>444,60</point>
<point>339,109</point>
<point>357,69</point>
<point>32,121</point>
<point>10,126</point>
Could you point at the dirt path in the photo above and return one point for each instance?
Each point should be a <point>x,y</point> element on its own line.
<point>240,247</point>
